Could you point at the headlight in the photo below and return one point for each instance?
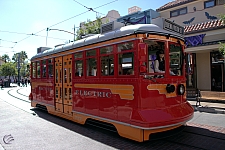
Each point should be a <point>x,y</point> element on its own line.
<point>170,88</point>
<point>181,89</point>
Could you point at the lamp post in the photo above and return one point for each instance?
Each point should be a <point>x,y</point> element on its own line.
<point>18,67</point>
<point>47,36</point>
<point>74,31</point>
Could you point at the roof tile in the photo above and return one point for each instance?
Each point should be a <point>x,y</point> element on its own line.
<point>173,4</point>
<point>213,24</point>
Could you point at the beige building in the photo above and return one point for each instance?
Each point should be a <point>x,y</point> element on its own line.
<point>133,9</point>
<point>111,16</point>
<point>203,31</point>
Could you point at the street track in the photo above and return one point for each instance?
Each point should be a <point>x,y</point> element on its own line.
<point>21,93</point>
<point>18,99</point>
<point>10,92</point>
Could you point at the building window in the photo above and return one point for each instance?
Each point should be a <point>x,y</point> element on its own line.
<point>209,4</point>
<point>178,12</point>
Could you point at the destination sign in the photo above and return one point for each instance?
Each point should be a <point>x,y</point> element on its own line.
<point>168,25</point>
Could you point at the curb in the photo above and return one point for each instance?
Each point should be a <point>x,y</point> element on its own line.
<point>208,100</point>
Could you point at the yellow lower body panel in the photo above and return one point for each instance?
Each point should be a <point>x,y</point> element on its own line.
<point>123,130</point>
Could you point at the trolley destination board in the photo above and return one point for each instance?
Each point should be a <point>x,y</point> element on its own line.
<point>171,26</point>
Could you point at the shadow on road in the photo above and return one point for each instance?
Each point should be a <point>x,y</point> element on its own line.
<point>213,110</point>
<point>187,137</point>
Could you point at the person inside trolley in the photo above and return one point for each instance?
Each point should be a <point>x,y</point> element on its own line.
<point>159,64</point>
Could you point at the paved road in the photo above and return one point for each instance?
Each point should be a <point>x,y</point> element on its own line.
<point>24,128</point>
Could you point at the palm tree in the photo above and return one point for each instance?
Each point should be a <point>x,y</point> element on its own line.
<point>6,58</point>
<point>23,56</point>
<point>19,60</point>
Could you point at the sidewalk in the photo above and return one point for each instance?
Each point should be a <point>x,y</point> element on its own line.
<point>209,107</point>
<point>209,100</point>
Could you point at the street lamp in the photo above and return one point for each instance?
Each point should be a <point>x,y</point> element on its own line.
<point>74,31</point>
<point>18,67</point>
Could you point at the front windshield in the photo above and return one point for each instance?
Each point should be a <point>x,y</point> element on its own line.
<point>154,48</point>
<point>157,58</point>
<point>175,56</point>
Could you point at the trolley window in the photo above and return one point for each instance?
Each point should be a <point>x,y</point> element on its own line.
<point>50,68</point>
<point>44,68</point>
<point>125,46</point>
<point>91,63</point>
<point>38,70</point>
<point>156,60</point>
<point>126,63</point>
<point>107,61</point>
<point>176,58</point>
<point>78,64</point>
<point>34,69</point>
<point>125,58</point>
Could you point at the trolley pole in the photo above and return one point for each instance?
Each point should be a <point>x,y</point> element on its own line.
<point>74,30</point>
<point>47,36</point>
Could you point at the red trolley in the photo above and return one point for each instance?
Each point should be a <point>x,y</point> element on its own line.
<point>110,79</point>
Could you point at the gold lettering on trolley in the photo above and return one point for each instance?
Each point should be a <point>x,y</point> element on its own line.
<point>93,93</point>
<point>124,91</point>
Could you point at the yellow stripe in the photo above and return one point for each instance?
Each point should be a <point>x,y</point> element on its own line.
<point>36,84</point>
<point>162,89</point>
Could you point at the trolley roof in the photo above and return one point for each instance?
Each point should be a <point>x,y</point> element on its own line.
<point>121,32</point>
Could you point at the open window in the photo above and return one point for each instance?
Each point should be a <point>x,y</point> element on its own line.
<point>154,50</point>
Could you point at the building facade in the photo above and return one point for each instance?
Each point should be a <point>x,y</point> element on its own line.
<point>111,16</point>
<point>133,9</point>
<point>204,29</point>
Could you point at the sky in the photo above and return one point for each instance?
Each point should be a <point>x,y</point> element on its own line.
<point>19,19</point>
